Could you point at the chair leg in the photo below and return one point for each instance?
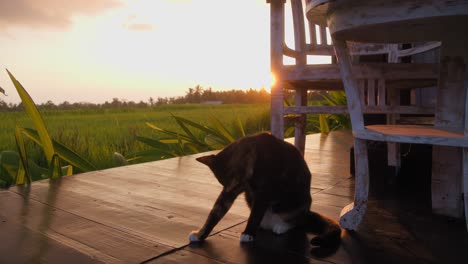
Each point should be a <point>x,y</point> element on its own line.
<point>465,184</point>
<point>277,110</point>
<point>300,129</point>
<point>300,134</point>
<point>351,216</point>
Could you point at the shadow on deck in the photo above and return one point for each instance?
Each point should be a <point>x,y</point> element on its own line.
<point>144,213</point>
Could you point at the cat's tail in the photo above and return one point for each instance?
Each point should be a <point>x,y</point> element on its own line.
<point>328,231</point>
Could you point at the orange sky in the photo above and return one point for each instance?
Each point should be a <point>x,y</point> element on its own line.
<point>95,50</point>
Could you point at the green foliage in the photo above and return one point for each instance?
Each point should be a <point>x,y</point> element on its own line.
<point>194,138</point>
<point>325,123</point>
<point>33,113</point>
<point>96,134</point>
<point>19,169</point>
<point>337,121</point>
<point>9,164</point>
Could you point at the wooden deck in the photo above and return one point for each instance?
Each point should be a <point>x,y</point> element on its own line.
<point>144,213</point>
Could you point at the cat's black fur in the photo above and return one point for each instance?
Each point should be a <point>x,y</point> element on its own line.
<point>276,182</point>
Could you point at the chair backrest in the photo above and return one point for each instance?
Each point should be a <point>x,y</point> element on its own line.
<point>317,34</point>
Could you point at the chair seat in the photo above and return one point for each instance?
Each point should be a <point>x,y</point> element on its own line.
<point>418,134</point>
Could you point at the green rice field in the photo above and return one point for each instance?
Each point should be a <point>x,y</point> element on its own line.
<point>97,134</point>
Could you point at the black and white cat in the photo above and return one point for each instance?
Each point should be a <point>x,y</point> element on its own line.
<point>276,182</point>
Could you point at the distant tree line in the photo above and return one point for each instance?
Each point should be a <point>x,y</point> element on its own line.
<point>194,95</point>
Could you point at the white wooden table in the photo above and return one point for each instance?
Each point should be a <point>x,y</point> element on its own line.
<point>407,21</point>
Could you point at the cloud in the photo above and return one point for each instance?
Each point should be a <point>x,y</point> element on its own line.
<point>135,23</point>
<point>49,13</point>
<point>140,27</point>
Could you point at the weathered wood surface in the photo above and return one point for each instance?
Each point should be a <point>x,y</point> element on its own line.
<point>413,134</point>
<point>392,71</point>
<point>143,213</point>
<point>302,77</point>
<point>404,22</point>
<point>397,21</point>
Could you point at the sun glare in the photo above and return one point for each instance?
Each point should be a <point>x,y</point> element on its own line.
<point>153,47</point>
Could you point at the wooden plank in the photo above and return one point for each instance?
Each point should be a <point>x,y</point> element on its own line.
<point>339,191</point>
<point>387,71</point>
<point>158,215</point>
<point>292,247</point>
<point>23,245</point>
<point>300,124</point>
<point>371,92</point>
<point>398,109</point>
<point>316,110</point>
<point>412,134</point>
<point>182,256</point>
<point>276,65</point>
<point>335,200</point>
<point>50,225</point>
<point>382,93</point>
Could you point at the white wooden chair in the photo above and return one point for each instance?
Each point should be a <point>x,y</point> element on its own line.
<point>303,77</point>
<point>451,116</point>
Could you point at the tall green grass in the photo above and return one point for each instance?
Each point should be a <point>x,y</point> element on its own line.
<point>97,134</point>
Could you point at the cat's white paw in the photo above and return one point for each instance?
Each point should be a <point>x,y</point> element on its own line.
<point>280,228</point>
<point>244,238</point>
<point>193,237</point>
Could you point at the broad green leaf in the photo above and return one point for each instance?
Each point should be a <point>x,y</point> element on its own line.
<point>167,132</point>
<point>324,128</point>
<point>195,148</point>
<point>214,142</point>
<point>36,118</point>
<point>289,132</point>
<point>64,152</point>
<point>169,141</point>
<point>9,164</point>
<point>67,170</point>
<point>151,142</point>
<point>37,172</point>
<point>221,129</point>
<point>187,131</point>
<point>2,91</point>
<point>55,168</point>
<point>240,127</point>
<point>23,156</point>
<point>202,128</point>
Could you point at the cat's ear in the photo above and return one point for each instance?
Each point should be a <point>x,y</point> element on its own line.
<point>207,160</point>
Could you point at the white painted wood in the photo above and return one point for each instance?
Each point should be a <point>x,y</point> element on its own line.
<point>351,215</point>
<point>300,126</point>
<point>398,109</point>
<point>320,77</point>
<point>382,93</point>
<point>465,184</point>
<point>276,60</point>
<point>316,110</point>
<point>366,109</point>
<point>350,83</point>
<point>419,49</point>
<point>299,32</point>
<point>412,134</point>
<point>392,21</point>
<point>448,165</point>
<point>397,21</point>
<point>446,181</point>
<point>393,71</point>
<point>371,92</point>
<point>362,91</point>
